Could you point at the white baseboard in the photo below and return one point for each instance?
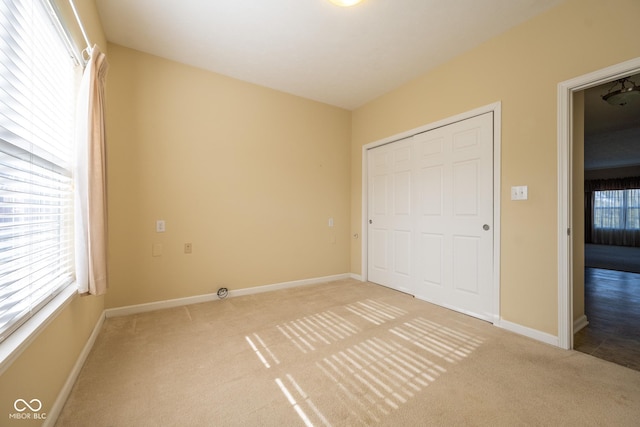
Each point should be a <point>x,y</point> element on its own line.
<point>529,332</point>
<point>580,323</point>
<point>159,305</point>
<point>287,285</point>
<point>54,412</point>
<point>356,276</point>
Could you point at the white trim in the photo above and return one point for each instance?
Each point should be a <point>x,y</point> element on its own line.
<point>63,395</point>
<point>565,183</point>
<point>497,206</point>
<point>528,332</point>
<point>159,305</point>
<point>496,109</point>
<point>364,229</point>
<point>356,277</point>
<point>21,338</point>
<point>580,323</point>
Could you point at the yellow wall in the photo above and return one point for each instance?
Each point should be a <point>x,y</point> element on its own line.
<point>248,175</point>
<point>44,366</point>
<point>521,68</point>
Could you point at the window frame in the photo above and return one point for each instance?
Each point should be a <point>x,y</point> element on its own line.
<point>28,330</point>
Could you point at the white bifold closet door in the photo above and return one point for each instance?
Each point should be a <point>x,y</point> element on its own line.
<point>430,209</point>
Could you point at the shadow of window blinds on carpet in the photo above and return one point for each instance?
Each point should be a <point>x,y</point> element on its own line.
<point>375,376</point>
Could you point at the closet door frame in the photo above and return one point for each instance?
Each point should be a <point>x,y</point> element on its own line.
<point>496,108</point>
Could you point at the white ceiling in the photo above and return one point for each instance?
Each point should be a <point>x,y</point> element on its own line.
<point>311,48</point>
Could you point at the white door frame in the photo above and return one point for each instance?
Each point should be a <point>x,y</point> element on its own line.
<point>496,108</point>
<point>565,186</point>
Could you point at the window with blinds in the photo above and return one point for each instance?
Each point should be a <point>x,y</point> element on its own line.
<point>617,209</point>
<point>38,80</point>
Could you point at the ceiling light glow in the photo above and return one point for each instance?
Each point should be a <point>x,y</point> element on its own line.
<point>345,3</point>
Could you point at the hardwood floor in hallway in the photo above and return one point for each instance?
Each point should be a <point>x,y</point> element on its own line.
<point>612,306</point>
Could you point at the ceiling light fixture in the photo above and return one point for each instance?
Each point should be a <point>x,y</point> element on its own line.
<point>623,95</point>
<point>345,3</point>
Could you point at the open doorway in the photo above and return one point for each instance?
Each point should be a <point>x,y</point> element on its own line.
<point>570,292</point>
<point>608,250</point>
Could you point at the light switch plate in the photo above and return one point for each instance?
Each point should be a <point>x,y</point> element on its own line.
<point>520,192</point>
<point>160,226</point>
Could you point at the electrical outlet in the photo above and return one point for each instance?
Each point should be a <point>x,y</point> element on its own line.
<point>187,248</point>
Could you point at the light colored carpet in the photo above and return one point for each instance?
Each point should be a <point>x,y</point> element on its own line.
<point>621,258</point>
<point>344,353</point>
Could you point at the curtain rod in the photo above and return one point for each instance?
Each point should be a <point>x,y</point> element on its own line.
<point>84,33</point>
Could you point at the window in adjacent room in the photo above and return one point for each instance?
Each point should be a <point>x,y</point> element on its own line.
<point>617,209</point>
<point>38,81</point>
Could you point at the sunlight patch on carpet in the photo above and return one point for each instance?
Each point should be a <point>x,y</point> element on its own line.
<point>258,352</point>
<point>309,332</point>
<point>375,312</point>
<point>373,377</point>
<point>304,399</point>
<point>378,376</point>
<point>439,340</point>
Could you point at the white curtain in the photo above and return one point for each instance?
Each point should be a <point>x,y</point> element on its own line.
<point>616,217</point>
<point>90,179</point>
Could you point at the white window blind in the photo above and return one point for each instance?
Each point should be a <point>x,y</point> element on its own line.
<point>38,78</point>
